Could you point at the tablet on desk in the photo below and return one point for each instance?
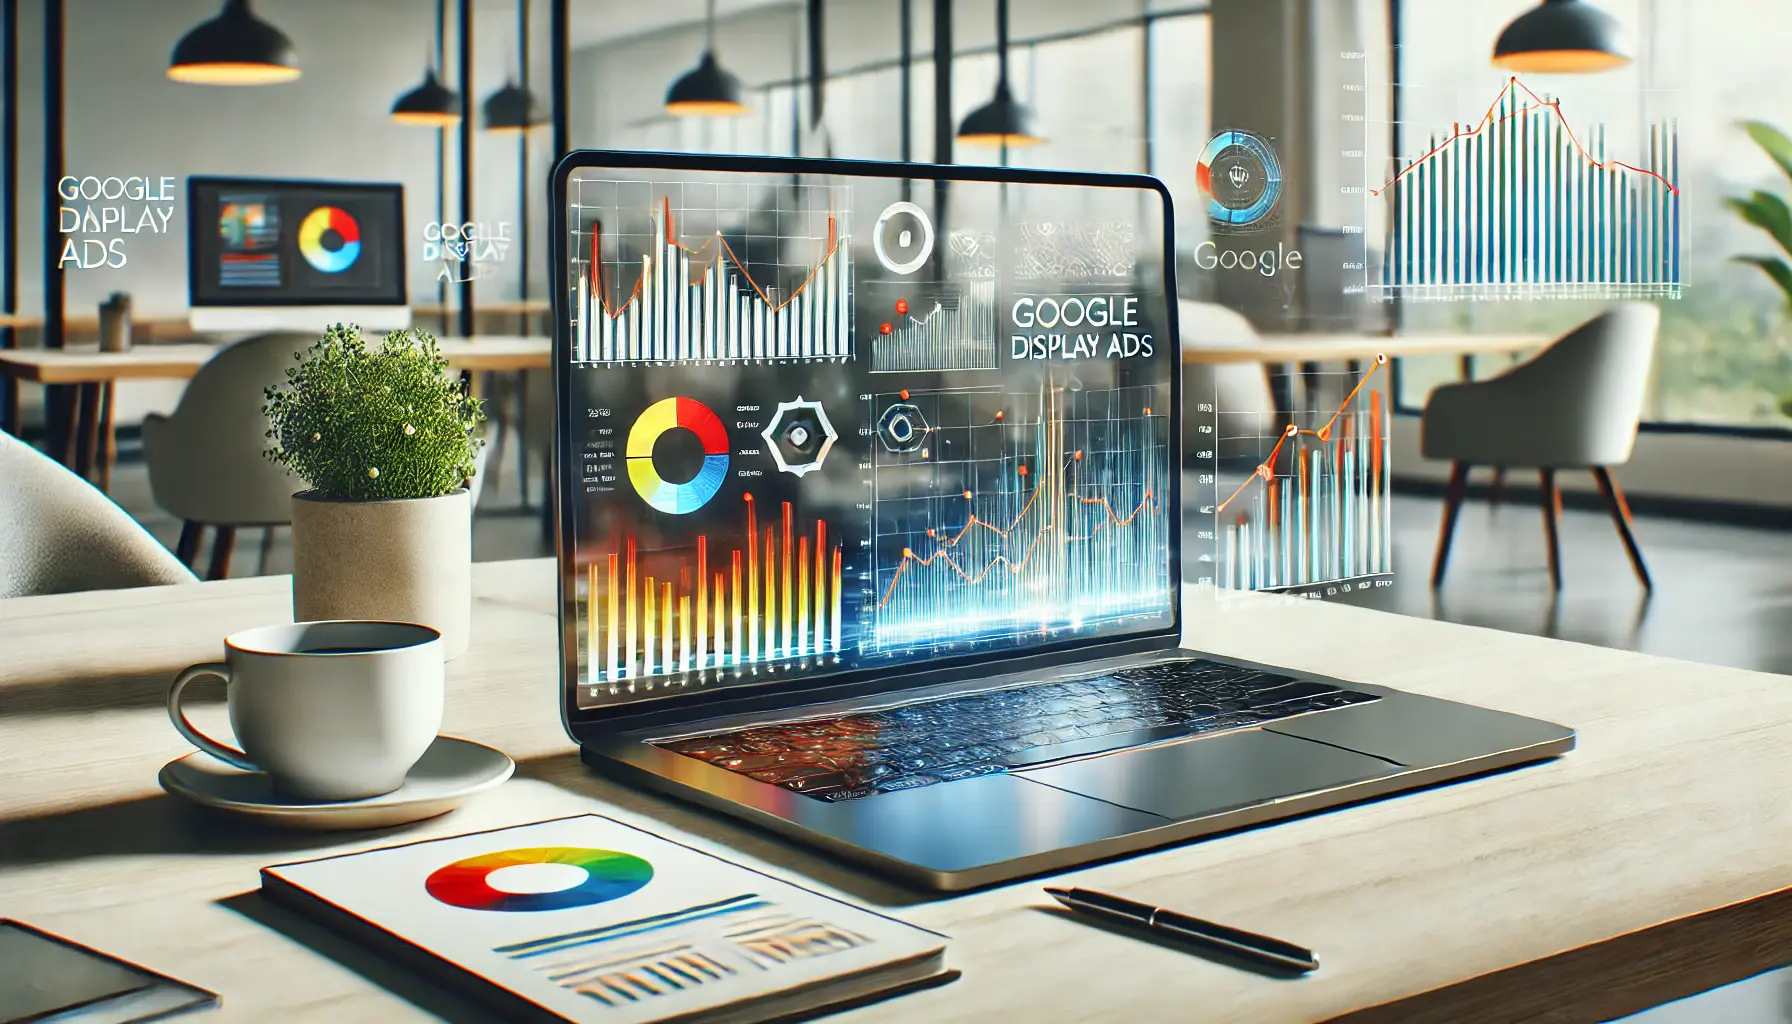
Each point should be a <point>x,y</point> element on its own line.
<point>46,979</point>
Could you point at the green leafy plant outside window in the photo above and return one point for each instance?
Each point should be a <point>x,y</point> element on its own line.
<point>1771,214</point>
<point>361,424</point>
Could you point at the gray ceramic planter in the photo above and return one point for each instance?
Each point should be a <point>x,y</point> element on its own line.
<point>407,561</point>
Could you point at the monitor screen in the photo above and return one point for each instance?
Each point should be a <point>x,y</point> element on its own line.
<point>819,417</point>
<point>254,242</point>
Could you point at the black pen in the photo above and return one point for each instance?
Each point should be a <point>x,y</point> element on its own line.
<point>1249,945</point>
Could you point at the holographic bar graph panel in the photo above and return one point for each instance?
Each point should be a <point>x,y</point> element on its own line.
<point>701,304</point>
<point>1521,205</point>
<point>776,596</point>
<point>960,336</point>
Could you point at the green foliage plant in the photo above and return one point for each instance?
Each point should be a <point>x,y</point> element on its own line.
<point>1771,214</point>
<point>360,424</point>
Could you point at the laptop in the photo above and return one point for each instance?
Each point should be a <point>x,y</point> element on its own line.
<point>870,530</point>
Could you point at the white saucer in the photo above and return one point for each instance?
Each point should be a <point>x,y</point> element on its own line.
<point>450,771</point>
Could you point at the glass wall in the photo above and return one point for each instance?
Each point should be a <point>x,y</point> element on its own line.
<point>1724,356</point>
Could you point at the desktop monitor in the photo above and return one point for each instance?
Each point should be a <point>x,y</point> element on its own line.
<point>295,255</point>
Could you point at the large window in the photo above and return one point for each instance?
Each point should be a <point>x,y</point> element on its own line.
<point>1701,66</point>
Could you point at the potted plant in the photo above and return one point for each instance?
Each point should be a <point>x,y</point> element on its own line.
<point>1771,214</point>
<point>387,439</point>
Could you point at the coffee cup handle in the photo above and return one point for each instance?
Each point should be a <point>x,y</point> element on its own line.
<point>227,754</point>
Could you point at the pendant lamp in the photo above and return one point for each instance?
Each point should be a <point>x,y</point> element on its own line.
<point>1562,36</point>
<point>513,108</point>
<point>706,88</point>
<point>1003,121</point>
<point>235,48</point>
<point>432,103</point>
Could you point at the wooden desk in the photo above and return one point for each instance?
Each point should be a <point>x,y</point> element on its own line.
<point>1650,863</point>
<point>94,374</point>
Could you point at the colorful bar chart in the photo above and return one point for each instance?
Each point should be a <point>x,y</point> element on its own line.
<point>1520,205</point>
<point>700,304</point>
<point>1316,510</point>
<point>706,610</point>
<point>1070,534</point>
<point>954,333</point>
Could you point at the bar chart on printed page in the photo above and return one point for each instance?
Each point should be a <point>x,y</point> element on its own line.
<point>1311,507</point>
<point>711,273</point>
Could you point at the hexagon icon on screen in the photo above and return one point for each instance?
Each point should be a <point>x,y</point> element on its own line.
<point>799,436</point>
<point>902,428</point>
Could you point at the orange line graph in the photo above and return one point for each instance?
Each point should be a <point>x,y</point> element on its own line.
<point>1488,120</point>
<point>942,554</point>
<point>1267,470</point>
<point>697,253</point>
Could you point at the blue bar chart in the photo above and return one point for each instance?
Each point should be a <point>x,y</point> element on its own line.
<point>1316,508</point>
<point>1520,205</point>
<point>701,304</point>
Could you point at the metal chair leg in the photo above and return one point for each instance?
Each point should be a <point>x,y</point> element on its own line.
<point>1452,506</point>
<point>222,546</point>
<point>1552,508</point>
<point>1620,510</point>
<point>188,547</point>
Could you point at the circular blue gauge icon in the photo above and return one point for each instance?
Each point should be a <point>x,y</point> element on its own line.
<point>1241,177</point>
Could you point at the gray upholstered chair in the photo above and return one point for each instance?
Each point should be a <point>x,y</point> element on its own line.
<point>58,533</point>
<point>205,460</point>
<point>1574,405</point>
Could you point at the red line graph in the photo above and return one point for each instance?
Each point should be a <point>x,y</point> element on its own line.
<point>1267,470</point>
<point>1488,120</point>
<point>597,282</point>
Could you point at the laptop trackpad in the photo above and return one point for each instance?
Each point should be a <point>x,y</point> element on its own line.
<point>1205,776</point>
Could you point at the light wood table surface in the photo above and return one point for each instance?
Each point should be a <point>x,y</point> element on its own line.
<point>1652,862</point>
<point>1301,348</point>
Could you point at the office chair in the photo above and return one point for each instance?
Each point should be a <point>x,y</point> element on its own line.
<point>205,460</point>
<point>1574,405</point>
<point>59,533</point>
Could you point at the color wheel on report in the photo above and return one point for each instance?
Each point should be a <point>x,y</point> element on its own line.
<point>311,239</point>
<point>690,495</point>
<point>609,875</point>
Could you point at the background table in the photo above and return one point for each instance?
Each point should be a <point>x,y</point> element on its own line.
<point>95,374</point>
<point>1650,863</point>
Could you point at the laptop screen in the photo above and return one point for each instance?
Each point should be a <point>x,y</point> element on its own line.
<point>821,417</point>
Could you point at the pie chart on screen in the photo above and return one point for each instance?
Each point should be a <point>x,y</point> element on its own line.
<point>677,455</point>
<point>329,239</point>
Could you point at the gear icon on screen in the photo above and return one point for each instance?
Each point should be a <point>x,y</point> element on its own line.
<point>799,436</point>
<point>902,428</point>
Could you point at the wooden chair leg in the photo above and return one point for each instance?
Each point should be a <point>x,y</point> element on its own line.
<point>108,442</point>
<point>1452,506</point>
<point>222,545</point>
<point>1552,508</point>
<point>188,547</point>
<point>1620,510</point>
<point>1497,493</point>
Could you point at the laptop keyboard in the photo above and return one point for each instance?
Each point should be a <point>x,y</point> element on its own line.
<point>929,742</point>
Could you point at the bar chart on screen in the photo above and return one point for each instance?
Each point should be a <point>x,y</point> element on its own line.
<point>694,284</point>
<point>764,594</point>
<point>1315,507</point>
<point>1527,202</point>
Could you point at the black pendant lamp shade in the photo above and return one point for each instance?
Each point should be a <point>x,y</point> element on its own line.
<point>235,48</point>
<point>1562,36</point>
<point>1004,120</point>
<point>432,104</point>
<point>706,89</point>
<point>511,109</point>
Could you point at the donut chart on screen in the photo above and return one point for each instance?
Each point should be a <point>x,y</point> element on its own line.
<point>670,414</point>
<point>609,875</point>
<point>311,239</point>
<point>1256,188</point>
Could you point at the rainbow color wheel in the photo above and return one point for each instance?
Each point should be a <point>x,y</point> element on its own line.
<point>311,239</point>
<point>693,494</point>
<point>608,876</point>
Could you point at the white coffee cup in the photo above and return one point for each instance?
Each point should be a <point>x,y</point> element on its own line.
<point>329,710</point>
